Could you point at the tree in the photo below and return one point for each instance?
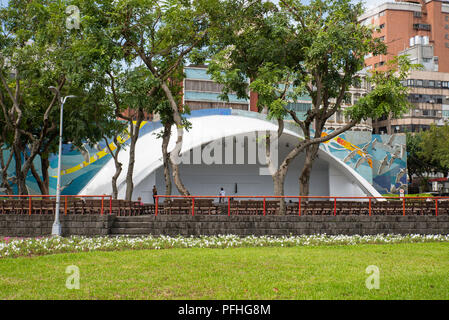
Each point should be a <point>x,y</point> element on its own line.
<point>5,142</point>
<point>37,51</point>
<point>162,34</point>
<point>166,116</point>
<point>29,63</point>
<point>416,165</point>
<point>434,149</point>
<point>156,34</point>
<point>132,91</point>
<point>321,53</point>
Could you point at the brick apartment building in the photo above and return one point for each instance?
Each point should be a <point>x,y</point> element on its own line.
<point>420,29</point>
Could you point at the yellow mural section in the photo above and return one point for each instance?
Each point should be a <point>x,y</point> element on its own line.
<point>348,145</point>
<point>100,154</point>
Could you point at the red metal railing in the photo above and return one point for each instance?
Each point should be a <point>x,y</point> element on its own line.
<point>63,201</point>
<point>300,198</point>
<point>105,198</point>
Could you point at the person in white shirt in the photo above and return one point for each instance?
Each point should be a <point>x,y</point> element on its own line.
<point>221,194</point>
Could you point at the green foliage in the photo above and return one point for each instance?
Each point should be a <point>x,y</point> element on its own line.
<point>434,147</point>
<point>298,49</point>
<point>37,51</point>
<point>388,95</point>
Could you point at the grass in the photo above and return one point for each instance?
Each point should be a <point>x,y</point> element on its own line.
<point>409,195</point>
<point>407,271</point>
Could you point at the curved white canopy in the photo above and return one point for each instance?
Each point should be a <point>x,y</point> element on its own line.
<point>204,130</point>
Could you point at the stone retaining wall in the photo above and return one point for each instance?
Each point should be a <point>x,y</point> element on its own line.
<point>40,225</point>
<point>280,225</point>
<point>89,225</point>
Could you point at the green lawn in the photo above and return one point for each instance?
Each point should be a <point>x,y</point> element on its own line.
<point>407,271</point>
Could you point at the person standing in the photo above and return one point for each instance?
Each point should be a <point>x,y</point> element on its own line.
<point>154,194</point>
<point>139,199</point>
<point>221,194</point>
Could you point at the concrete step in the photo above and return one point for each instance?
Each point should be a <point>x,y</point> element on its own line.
<point>132,224</point>
<point>145,231</point>
<point>131,231</point>
<point>134,218</point>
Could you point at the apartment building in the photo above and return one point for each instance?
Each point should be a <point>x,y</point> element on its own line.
<point>419,29</point>
<point>201,92</point>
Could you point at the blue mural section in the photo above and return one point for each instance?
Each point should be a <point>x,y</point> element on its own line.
<point>380,159</point>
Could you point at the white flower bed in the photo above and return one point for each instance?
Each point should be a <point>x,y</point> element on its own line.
<point>14,247</point>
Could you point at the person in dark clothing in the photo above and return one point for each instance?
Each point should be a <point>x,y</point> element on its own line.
<point>154,194</point>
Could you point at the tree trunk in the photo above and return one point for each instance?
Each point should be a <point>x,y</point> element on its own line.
<point>45,164</point>
<point>4,170</point>
<point>118,165</point>
<point>175,155</point>
<point>278,181</point>
<point>135,128</point>
<point>304,179</point>
<point>118,171</point>
<point>166,156</point>
<point>277,174</point>
<point>19,178</point>
<point>39,181</point>
<point>129,173</point>
<point>44,182</point>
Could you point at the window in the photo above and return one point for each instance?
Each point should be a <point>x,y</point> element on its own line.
<point>382,14</point>
<point>427,60</point>
<point>419,83</point>
<point>446,26</point>
<point>410,82</point>
<point>299,107</point>
<point>417,14</point>
<point>446,18</point>
<point>421,26</point>
<point>381,63</point>
<point>382,26</point>
<point>425,112</point>
<point>431,83</point>
<point>438,84</point>
<point>445,84</point>
<point>446,45</point>
<point>446,36</point>
<point>382,38</point>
